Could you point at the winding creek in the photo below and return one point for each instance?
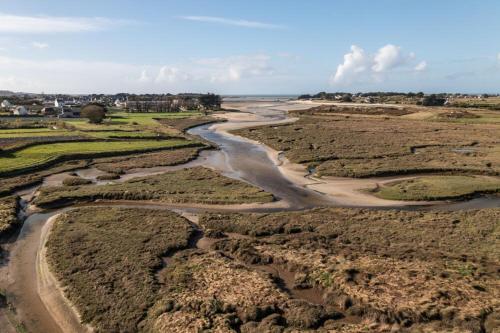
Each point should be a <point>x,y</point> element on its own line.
<point>32,290</point>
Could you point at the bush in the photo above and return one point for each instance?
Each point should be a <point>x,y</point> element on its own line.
<point>76,181</point>
<point>94,112</point>
<point>433,100</point>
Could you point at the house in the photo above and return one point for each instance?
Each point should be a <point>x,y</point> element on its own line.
<point>49,111</point>
<point>5,104</point>
<point>68,113</point>
<point>58,104</point>
<point>120,104</point>
<point>20,111</point>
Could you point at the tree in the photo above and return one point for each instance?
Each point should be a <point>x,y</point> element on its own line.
<point>433,100</point>
<point>210,101</point>
<point>347,98</point>
<point>95,113</point>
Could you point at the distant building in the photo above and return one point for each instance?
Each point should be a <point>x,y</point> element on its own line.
<point>49,111</point>
<point>20,111</point>
<point>5,104</point>
<point>120,104</point>
<point>68,113</point>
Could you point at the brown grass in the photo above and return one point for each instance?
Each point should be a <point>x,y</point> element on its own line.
<point>419,269</point>
<point>374,146</point>
<point>149,160</point>
<point>195,185</point>
<point>106,258</point>
<point>8,215</point>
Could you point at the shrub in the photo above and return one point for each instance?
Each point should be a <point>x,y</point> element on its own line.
<point>94,112</point>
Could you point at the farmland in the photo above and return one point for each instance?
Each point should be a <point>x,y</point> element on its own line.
<point>43,155</point>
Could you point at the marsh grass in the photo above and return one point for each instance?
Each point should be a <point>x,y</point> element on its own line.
<point>106,259</point>
<point>194,185</point>
<point>439,188</point>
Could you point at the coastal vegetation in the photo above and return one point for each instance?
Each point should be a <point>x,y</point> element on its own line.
<point>122,164</point>
<point>106,260</point>
<point>194,185</point>
<point>443,263</point>
<point>367,142</point>
<point>439,188</point>
<point>8,215</point>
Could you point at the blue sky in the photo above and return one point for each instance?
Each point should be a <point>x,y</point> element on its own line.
<point>252,47</point>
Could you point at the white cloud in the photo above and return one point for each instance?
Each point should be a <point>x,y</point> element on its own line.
<point>355,62</point>
<point>53,24</point>
<point>498,56</point>
<point>144,76</point>
<point>421,66</point>
<point>388,57</point>
<point>74,76</point>
<point>233,22</point>
<point>38,45</point>
<point>359,66</point>
<point>171,74</point>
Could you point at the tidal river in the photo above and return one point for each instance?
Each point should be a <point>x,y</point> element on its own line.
<point>34,294</point>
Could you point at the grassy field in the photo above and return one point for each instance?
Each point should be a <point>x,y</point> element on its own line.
<point>439,188</point>
<point>194,185</point>
<point>106,259</point>
<point>45,154</point>
<point>361,146</point>
<point>130,121</point>
<point>427,271</point>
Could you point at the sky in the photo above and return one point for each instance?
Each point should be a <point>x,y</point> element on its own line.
<point>249,47</point>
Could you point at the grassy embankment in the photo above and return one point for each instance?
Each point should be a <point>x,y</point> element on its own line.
<point>106,259</point>
<point>195,185</point>
<point>439,188</point>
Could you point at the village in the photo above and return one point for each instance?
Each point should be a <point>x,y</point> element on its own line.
<point>67,106</point>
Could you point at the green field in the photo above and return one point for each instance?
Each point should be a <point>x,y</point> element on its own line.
<point>130,121</point>
<point>439,187</point>
<point>44,154</point>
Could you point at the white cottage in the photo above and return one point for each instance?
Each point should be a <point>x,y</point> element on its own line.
<point>20,111</point>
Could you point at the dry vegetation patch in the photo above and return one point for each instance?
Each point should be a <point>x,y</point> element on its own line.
<point>363,147</point>
<point>194,185</point>
<point>8,215</point>
<point>358,110</point>
<point>439,188</point>
<point>435,270</point>
<point>106,259</point>
<point>163,158</point>
<point>183,124</point>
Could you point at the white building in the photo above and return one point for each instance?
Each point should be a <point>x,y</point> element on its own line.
<point>5,104</point>
<point>20,111</point>
<point>120,104</point>
<point>58,104</point>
